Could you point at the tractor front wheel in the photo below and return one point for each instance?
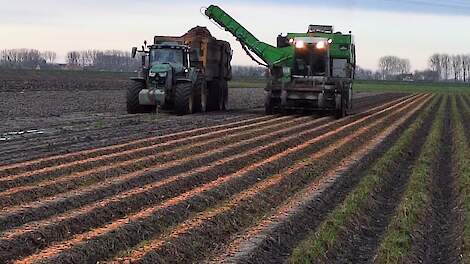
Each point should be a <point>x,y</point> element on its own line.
<point>184,99</point>
<point>133,105</point>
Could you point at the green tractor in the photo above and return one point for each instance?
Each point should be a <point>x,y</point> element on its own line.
<point>308,71</point>
<point>187,74</point>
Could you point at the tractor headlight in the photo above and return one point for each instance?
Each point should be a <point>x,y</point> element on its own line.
<point>163,74</point>
<point>299,44</point>
<point>152,74</point>
<point>320,45</point>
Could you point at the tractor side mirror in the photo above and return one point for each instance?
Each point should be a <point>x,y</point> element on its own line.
<point>134,52</point>
<point>144,60</point>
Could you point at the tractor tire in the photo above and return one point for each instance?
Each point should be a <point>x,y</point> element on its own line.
<point>133,105</point>
<point>268,104</point>
<point>215,100</point>
<point>200,97</point>
<point>344,109</point>
<point>184,99</point>
<point>224,95</point>
<point>204,96</point>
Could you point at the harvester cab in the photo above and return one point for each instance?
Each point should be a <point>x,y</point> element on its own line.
<point>308,71</point>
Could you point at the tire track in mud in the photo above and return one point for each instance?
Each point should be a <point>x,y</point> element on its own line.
<point>293,151</point>
<point>273,238</point>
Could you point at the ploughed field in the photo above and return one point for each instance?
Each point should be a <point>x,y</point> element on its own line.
<point>388,184</point>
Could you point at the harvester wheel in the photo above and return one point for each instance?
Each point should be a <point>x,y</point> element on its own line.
<point>184,99</point>
<point>133,105</point>
<point>343,110</point>
<point>268,104</point>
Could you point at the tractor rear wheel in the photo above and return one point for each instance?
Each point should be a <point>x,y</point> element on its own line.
<point>184,99</point>
<point>133,105</point>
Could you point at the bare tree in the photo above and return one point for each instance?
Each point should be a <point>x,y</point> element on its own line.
<point>391,66</point>
<point>73,58</point>
<point>435,64</point>
<point>456,63</point>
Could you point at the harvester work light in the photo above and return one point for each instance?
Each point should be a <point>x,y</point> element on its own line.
<point>299,44</point>
<point>321,45</point>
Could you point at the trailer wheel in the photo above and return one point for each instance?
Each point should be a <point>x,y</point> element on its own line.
<point>184,99</point>
<point>133,105</point>
<point>203,99</point>
<point>215,98</point>
<point>225,95</point>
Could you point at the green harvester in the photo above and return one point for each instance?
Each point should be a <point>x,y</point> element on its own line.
<point>308,71</point>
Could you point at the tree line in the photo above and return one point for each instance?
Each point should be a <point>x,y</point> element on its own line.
<point>441,67</point>
<point>108,60</point>
<point>26,58</point>
<point>451,67</point>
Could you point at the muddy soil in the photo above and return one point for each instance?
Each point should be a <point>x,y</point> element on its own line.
<point>42,122</point>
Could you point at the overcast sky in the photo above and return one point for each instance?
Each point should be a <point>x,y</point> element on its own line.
<point>412,29</point>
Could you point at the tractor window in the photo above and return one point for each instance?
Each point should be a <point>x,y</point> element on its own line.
<point>171,56</point>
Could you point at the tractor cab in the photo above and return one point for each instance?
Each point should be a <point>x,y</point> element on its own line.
<point>169,54</point>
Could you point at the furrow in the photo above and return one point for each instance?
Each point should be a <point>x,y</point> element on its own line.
<point>401,241</point>
<point>21,195</point>
<point>186,242</point>
<point>54,160</point>
<point>274,237</point>
<point>149,215</point>
<point>30,192</point>
<point>21,214</point>
<point>132,153</point>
